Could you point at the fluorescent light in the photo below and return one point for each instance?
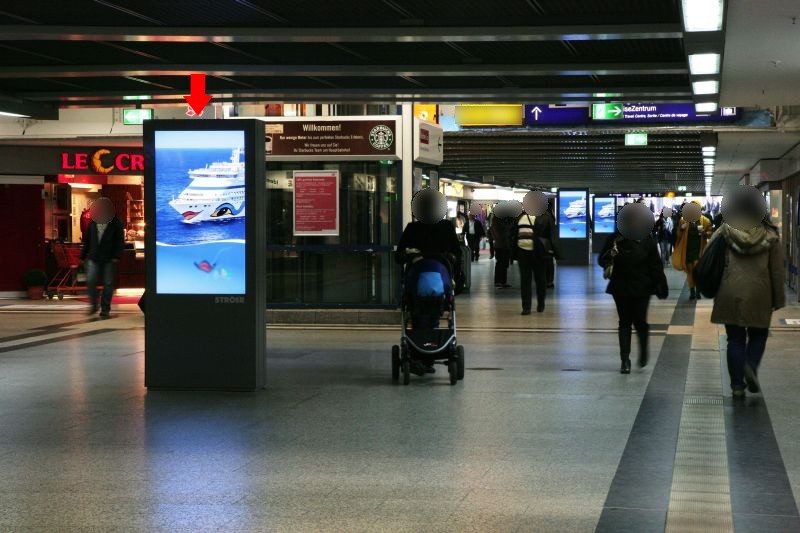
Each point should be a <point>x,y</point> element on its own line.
<point>17,115</point>
<point>709,150</point>
<point>702,15</point>
<point>705,107</point>
<point>705,87</point>
<point>700,64</point>
<point>136,97</point>
<point>708,160</point>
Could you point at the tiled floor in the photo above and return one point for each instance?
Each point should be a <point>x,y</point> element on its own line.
<point>533,442</point>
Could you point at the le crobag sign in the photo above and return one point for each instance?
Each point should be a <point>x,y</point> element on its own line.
<point>367,138</point>
<point>428,143</point>
<point>316,202</point>
<point>103,161</point>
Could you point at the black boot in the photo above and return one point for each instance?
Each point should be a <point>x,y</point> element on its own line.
<point>624,334</point>
<point>644,334</point>
<point>692,295</point>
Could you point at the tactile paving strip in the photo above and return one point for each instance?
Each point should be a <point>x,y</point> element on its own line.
<point>700,495</point>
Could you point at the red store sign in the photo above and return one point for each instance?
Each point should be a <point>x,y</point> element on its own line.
<point>102,161</point>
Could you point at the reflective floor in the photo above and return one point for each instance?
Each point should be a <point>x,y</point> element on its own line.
<point>544,434</point>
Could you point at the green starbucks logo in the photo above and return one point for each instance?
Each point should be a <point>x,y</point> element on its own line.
<point>381,137</point>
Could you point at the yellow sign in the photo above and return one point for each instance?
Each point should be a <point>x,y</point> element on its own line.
<point>429,112</point>
<point>489,114</point>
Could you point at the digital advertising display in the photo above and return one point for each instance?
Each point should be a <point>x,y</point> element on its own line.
<point>605,210</point>
<point>200,191</point>
<point>572,208</point>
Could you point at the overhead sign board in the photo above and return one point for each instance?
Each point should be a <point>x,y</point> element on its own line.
<point>553,115</point>
<point>427,112</point>
<point>635,139</point>
<point>489,114</point>
<point>103,161</point>
<point>367,138</point>
<point>613,111</point>
<point>658,113</point>
<point>428,143</point>
<point>132,117</point>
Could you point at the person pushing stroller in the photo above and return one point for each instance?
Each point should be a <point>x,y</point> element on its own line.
<point>430,252</point>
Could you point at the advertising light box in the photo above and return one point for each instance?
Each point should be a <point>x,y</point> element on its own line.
<point>604,214</point>
<point>200,189</point>
<point>572,208</point>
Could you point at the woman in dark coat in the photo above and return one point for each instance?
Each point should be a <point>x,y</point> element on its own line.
<point>637,273</point>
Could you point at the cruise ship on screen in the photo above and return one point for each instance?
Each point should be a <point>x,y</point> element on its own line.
<point>577,208</point>
<point>216,192</point>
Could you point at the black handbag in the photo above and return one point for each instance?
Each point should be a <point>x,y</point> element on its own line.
<point>710,268</point>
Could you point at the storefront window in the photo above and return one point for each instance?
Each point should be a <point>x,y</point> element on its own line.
<point>354,268</point>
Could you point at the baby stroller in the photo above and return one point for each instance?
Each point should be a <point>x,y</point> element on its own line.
<point>428,316</point>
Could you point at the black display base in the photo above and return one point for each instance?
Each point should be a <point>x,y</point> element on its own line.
<point>574,251</point>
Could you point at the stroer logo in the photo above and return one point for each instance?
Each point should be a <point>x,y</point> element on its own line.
<point>229,299</point>
<point>102,161</point>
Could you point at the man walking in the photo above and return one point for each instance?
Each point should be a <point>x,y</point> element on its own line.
<point>475,233</point>
<point>103,244</point>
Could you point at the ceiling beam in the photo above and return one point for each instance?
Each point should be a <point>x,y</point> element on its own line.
<point>588,69</point>
<point>30,32</point>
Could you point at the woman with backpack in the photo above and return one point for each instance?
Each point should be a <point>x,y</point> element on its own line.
<point>752,284</point>
<point>633,266</point>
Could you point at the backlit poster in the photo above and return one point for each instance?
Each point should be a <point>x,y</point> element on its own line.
<point>316,202</point>
<point>604,214</point>
<point>200,212</point>
<point>572,214</point>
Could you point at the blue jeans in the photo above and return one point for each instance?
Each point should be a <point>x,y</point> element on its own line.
<point>745,347</point>
<point>95,270</point>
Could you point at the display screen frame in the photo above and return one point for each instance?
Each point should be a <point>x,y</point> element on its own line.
<point>569,224</point>
<point>207,265</point>
<point>600,224</point>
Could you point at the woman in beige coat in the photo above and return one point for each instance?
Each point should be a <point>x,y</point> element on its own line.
<point>751,288</point>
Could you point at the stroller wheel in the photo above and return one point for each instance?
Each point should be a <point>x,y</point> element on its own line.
<point>460,361</point>
<point>406,371</point>
<point>395,363</point>
<point>453,371</point>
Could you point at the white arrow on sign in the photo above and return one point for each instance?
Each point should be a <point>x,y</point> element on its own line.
<point>536,112</point>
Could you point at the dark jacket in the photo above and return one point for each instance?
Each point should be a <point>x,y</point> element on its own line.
<point>638,271</point>
<point>500,232</point>
<point>479,231</point>
<point>109,247</point>
<point>544,234</point>
<point>429,239</point>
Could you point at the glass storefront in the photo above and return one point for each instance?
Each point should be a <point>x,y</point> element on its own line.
<point>355,268</point>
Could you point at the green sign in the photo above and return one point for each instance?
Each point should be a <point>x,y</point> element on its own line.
<point>635,139</point>
<point>136,116</point>
<point>612,111</point>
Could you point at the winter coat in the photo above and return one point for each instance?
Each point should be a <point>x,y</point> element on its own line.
<point>638,271</point>
<point>679,254</point>
<point>429,239</point>
<point>501,233</point>
<point>109,247</point>
<point>753,283</point>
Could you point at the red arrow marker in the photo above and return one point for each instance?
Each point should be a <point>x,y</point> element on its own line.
<point>198,99</point>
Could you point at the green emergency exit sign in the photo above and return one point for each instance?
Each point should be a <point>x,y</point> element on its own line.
<point>132,117</point>
<point>635,139</point>
<point>613,111</point>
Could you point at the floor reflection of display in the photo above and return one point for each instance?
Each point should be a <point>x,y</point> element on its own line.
<point>200,212</point>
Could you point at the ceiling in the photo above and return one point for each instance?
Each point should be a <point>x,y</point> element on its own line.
<point>739,151</point>
<point>596,160</point>
<point>761,65</point>
<point>96,52</point>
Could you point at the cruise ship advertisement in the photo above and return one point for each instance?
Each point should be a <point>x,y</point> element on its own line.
<point>200,212</point>
<point>572,214</point>
<point>604,214</point>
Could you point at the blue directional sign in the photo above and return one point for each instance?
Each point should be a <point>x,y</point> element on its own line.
<point>549,115</point>
<point>661,113</point>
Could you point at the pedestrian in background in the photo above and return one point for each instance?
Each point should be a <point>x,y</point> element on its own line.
<point>532,242</point>
<point>752,285</point>
<point>103,244</point>
<point>632,265</point>
<point>500,235</point>
<point>663,231</point>
<point>551,258</point>
<point>693,233</point>
<point>474,232</point>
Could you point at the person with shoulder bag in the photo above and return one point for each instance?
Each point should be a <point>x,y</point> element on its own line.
<point>693,233</point>
<point>533,235</point>
<point>632,264</point>
<point>752,284</point>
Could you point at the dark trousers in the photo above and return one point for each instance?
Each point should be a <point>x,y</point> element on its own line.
<point>745,347</point>
<point>104,272</point>
<point>632,311</point>
<point>532,267</point>
<point>475,245</point>
<point>491,247</point>
<point>501,266</point>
